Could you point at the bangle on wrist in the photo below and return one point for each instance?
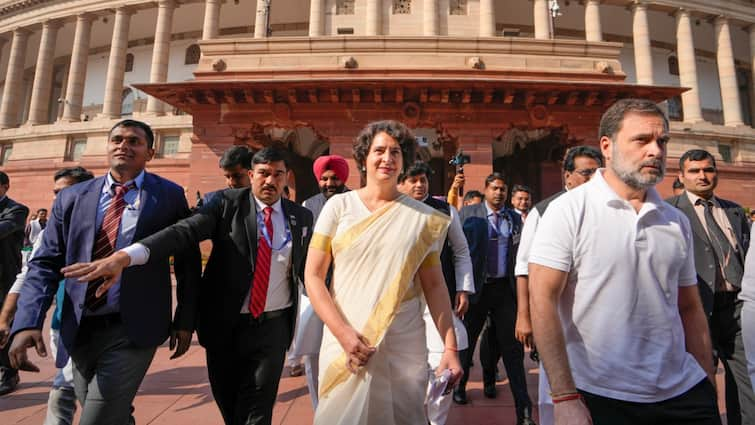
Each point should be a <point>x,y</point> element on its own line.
<point>454,349</point>
<point>560,398</point>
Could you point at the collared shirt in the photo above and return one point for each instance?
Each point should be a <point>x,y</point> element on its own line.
<point>619,309</point>
<point>503,233</point>
<point>723,222</point>
<point>747,295</point>
<point>278,290</point>
<point>125,232</point>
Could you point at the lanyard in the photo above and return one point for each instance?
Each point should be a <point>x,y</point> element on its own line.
<point>268,238</point>
<point>497,233</point>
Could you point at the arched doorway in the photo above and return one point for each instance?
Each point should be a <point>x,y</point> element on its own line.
<point>531,157</point>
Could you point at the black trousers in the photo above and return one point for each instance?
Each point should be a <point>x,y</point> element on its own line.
<point>499,302</point>
<point>695,407</point>
<point>726,335</point>
<point>244,375</point>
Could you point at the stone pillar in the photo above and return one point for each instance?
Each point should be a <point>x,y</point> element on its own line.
<point>316,18</point>
<point>41,88</point>
<point>643,55</point>
<point>161,52</point>
<point>727,74</point>
<point>542,19</point>
<point>430,17</point>
<point>593,28</point>
<point>111,107</point>
<point>487,18</point>
<point>211,19</point>
<point>260,22</point>
<point>685,52</point>
<point>12,91</point>
<point>373,25</point>
<point>78,71</point>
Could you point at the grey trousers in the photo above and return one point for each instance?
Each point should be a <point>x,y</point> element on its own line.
<point>107,371</point>
<point>61,406</point>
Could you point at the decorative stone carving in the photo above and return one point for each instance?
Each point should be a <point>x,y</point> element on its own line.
<point>476,62</point>
<point>219,65</point>
<point>350,63</point>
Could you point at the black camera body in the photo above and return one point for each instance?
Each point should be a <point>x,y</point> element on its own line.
<point>459,160</point>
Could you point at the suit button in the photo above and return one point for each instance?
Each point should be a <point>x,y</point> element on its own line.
<point>710,266</point>
<point>81,305</point>
<point>707,249</point>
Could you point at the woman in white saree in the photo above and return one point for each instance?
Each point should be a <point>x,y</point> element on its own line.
<point>385,250</point>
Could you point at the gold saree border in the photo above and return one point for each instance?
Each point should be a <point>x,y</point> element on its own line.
<point>397,293</point>
<point>320,242</point>
<point>352,233</point>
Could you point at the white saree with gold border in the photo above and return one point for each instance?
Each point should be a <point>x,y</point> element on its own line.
<point>376,256</point>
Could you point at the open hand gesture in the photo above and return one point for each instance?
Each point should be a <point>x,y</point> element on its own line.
<point>109,269</point>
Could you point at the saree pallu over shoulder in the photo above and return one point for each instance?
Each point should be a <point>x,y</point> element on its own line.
<point>376,260</point>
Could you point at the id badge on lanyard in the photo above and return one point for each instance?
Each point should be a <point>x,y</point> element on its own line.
<point>268,238</point>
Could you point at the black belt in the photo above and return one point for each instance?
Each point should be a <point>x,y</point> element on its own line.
<point>496,280</point>
<point>102,321</point>
<point>265,316</point>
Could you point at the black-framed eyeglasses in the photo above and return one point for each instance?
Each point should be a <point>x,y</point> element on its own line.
<point>586,172</point>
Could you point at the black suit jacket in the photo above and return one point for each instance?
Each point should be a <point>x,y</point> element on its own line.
<point>230,221</point>
<point>705,261</point>
<point>479,212</point>
<point>12,224</point>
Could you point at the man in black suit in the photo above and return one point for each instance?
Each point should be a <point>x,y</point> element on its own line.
<point>111,338</point>
<point>498,295</point>
<point>249,290</point>
<point>12,220</point>
<point>235,162</point>
<point>721,239</point>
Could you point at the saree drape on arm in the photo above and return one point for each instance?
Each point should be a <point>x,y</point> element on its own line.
<point>376,256</point>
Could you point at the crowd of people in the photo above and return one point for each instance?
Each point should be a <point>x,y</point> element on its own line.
<point>628,301</point>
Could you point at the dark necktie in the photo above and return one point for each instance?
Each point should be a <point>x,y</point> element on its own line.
<point>104,245</point>
<point>262,269</point>
<point>493,246</point>
<point>728,259</point>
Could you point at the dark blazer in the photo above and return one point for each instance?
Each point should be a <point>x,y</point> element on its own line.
<point>446,254</point>
<point>230,220</point>
<point>479,211</point>
<point>145,294</point>
<point>12,224</point>
<point>705,261</point>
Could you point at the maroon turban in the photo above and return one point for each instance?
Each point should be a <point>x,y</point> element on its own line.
<point>335,163</point>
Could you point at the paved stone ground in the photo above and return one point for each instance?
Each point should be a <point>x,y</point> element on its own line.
<point>178,392</point>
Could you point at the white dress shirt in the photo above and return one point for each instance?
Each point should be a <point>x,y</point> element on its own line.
<point>278,290</point>
<point>748,312</point>
<point>462,262</point>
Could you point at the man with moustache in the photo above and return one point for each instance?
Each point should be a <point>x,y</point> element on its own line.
<point>721,237</point>
<point>457,272</point>
<point>331,172</point>
<point>616,316</point>
<point>498,295</point>
<point>579,165</point>
<point>111,338</point>
<point>249,290</point>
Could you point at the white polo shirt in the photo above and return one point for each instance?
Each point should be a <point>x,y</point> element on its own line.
<point>619,309</point>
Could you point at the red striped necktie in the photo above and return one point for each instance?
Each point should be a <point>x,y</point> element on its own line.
<point>104,245</point>
<point>262,268</point>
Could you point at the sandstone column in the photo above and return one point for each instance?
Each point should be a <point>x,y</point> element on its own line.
<point>727,74</point>
<point>430,17</point>
<point>211,19</point>
<point>373,24</point>
<point>316,18</point>
<point>685,52</point>
<point>161,52</point>
<point>593,28</point>
<point>111,107</point>
<point>12,91</point>
<point>542,19</point>
<point>260,22</point>
<point>487,18</point>
<point>643,55</point>
<point>42,86</point>
<point>78,70</point>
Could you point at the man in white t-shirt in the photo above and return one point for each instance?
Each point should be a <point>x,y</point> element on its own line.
<point>616,312</point>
